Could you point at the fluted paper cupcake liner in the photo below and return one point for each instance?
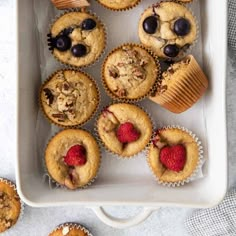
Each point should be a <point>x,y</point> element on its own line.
<point>114,154</point>
<point>79,124</point>
<point>191,46</point>
<point>71,225</point>
<point>65,4</point>
<point>52,182</point>
<point>100,22</point>
<point>120,9</point>
<point>195,171</point>
<point>188,88</point>
<point>12,185</point>
<point>151,90</point>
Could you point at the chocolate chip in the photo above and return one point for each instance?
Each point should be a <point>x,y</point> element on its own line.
<point>49,96</point>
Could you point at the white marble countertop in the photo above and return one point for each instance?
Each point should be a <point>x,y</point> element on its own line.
<point>39,222</point>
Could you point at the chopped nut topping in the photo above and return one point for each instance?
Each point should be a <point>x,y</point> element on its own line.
<point>114,72</point>
<point>49,96</point>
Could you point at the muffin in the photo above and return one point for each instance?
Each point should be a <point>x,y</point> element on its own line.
<point>174,155</point>
<point>168,28</point>
<point>72,158</point>
<point>124,129</point>
<point>119,4</point>
<point>64,4</point>
<point>130,72</point>
<point>69,98</point>
<point>77,38</point>
<point>70,229</point>
<point>10,205</point>
<point>181,86</point>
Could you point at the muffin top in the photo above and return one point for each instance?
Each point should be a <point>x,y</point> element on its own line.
<point>70,230</point>
<point>119,4</point>
<point>72,158</point>
<point>65,4</point>
<point>168,28</point>
<point>77,38</point>
<point>173,155</point>
<point>10,205</point>
<point>124,129</point>
<point>130,72</point>
<point>69,97</point>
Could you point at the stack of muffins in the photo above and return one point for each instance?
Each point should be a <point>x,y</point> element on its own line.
<point>158,69</point>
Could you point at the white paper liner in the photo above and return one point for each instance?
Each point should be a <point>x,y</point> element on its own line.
<point>182,53</point>
<point>73,225</point>
<point>198,166</point>
<point>103,145</point>
<point>73,67</point>
<point>22,207</point>
<point>89,118</point>
<point>52,183</point>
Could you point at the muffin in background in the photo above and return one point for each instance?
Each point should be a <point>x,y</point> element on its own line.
<point>65,4</point>
<point>119,5</point>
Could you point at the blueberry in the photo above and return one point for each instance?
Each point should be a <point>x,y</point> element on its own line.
<point>88,24</point>
<point>182,27</point>
<point>62,43</point>
<point>171,50</point>
<point>79,50</point>
<point>150,24</point>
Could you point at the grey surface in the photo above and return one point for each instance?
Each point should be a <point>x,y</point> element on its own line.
<point>39,222</point>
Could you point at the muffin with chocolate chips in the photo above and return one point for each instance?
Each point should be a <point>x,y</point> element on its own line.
<point>130,72</point>
<point>72,158</point>
<point>168,28</point>
<point>181,85</point>
<point>77,38</point>
<point>124,129</point>
<point>10,205</point>
<point>69,98</point>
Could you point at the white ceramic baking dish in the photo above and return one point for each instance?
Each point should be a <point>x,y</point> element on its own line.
<point>126,182</point>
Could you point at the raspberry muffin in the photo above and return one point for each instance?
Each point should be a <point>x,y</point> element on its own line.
<point>124,129</point>
<point>77,38</point>
<point>119,4</point>
<point>174,155</point>
<point>181,85</point>
<point>10,205</point>
<point>70,229</point>
<point>130,72</point>
<point>168,28</point>
<point>69,98</point>
<point>65,4</point>
<point>72,158</point>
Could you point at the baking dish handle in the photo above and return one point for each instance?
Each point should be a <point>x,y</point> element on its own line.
<point>123,223</point>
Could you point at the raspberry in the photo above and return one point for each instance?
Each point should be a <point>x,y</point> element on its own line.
<point>126,133</point>
<point>76,156</point>
<point>174,157</point>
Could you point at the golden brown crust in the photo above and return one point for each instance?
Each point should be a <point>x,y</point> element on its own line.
<point>117,114</point>
<point>65,4</point>
<point>182,86</point>
<point>69,98</point>
<point>130,72</point>
<point>94,40</point>
<point>56,151</point>
<point>10,205</point>
<point>118,5</point>
<point>174,136</point>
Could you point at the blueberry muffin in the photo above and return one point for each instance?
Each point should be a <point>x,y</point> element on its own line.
<point>72,158</point>
<point>70,229</point>
<point>10,205</point>
<point>130,72</point>
<point>174,155</point>
<point>119,4</point>
<point>69,98</point>
<point>168,28</point>
<point>124,129</point>
<point>65,4</point>
<point>77,38</point>
<point>181,85</point>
